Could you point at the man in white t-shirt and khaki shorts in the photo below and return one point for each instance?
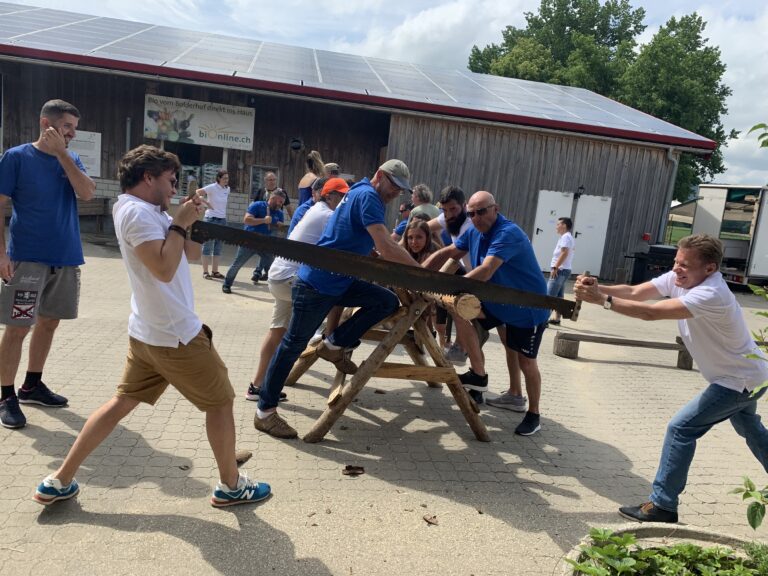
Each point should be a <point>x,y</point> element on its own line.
<point>168,343</point>
<point>714,331</point>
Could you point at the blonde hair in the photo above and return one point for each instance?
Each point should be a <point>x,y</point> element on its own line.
<point>709,248</point>
<point>315,163</point>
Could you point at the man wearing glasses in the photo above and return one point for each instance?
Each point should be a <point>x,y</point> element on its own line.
<point>357,225</point>
<point>501,253</point>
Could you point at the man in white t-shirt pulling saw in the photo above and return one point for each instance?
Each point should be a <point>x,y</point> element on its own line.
<point>716,335</point>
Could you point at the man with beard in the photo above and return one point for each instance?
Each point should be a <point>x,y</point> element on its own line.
<point>40,271</point>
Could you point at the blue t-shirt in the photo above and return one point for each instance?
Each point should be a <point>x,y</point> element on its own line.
<point>505,240</point>
<point>347,230</point>
<point>44,224</point>
<point>299,214</point>
<point>400,228</point>
<point>259,210</point>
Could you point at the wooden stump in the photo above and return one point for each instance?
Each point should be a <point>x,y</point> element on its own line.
<point>565,348</point>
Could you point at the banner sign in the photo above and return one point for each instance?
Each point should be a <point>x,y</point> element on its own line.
<point>201,123</point>
<point>87,145</point>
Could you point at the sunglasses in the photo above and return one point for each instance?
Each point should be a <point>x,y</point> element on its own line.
<point>479,211</point>
<point>404,210</point>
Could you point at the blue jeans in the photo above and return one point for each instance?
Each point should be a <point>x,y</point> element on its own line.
<point>241,257</point>
<point>310,307</point>
<point>265,261</point>
<point>715,404</point>
<point>556,286</point>
<point>213,247</point>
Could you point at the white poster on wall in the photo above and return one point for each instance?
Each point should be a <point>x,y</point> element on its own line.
<point>201,123</point>
<point>87,145</point>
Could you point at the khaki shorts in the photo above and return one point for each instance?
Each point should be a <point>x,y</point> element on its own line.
<point>39,289</point>
<point>283,310</point>
<point>194,369</point>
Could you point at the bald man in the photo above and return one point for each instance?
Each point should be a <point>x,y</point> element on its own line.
<point>501,253</point>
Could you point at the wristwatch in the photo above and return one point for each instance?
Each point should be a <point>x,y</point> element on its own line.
<point>608,304</point>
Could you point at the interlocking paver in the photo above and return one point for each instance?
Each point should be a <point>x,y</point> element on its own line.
<point>512,506</point>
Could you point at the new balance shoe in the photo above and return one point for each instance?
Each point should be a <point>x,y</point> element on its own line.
<point>253,394</point>
<point>509,401</point>
<point>648,512</point>
<point>472,381</point>
<point>51,490</point>
<point>11,415</point>
<point>339,357</point>
<point>455,355</point>
<point>42,396</point>
<point>530,425</point>
<point>247,491</point>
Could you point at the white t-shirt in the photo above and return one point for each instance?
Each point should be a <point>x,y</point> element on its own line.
<point>717,336</point>
<point>565,241</point>
<point>466,261</point>
<point>217,197</point>
<point>162,314</point>
<point>308,230</point>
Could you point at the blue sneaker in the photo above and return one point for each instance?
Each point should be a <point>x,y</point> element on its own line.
<point>11,415</point>
<point>51,490</point>
<point>247,491</point>
<point>42,396</point>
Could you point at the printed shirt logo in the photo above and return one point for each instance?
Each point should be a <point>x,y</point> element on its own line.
<point>24,302</point>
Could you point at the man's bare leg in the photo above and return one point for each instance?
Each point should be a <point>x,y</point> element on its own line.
<point>40,343</point>
<point>268,347</point>
<point>532,375</point>
<point>10,353</point>
<point>220,427</point>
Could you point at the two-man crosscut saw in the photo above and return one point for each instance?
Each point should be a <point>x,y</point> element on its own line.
<point>381,271</point>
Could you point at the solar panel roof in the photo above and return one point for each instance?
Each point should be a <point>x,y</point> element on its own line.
<point>61,36</point>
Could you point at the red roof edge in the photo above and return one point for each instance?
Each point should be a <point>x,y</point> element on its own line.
<point>325,93</point>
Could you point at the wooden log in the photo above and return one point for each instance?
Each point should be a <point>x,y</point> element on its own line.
<point>338,386</point>
<point>463,401</point>
<point>466,306</point>
<point>300,367</point>
<point>450,266</point>
<point>408,372</point>
<point>684,358</point>
<point>565,348</point>
<point>364,373</point>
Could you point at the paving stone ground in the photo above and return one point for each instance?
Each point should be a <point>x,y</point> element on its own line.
<point>512,506</point>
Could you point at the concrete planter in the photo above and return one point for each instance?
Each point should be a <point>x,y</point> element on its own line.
<point>653,534</point>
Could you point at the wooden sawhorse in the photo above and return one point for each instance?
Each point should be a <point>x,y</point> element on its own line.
<point>411,314</point>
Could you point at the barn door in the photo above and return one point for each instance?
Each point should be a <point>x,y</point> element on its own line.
<point>552,205</point>
<point>590,226</point>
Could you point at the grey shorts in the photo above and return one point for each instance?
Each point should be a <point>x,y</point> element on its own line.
<point>39,289</point>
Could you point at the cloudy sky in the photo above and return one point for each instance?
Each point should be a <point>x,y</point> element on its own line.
<point>443,32</point>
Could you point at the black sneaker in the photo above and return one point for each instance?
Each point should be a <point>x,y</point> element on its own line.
<point>11,415</point>
<point>42,396</point>
<point>478,397</point>
<point>530,425</point>
<point>226,289</point>
<point>264,276</point>
<point>255,278</point>
<point>648,512</point>
<point>472,381</point>
<point>253,394</point>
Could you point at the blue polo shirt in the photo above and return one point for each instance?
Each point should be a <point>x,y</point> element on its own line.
<point>44,224</point>
<point>347,230</point>
<point>400,228</point>
<point>299,214</point>
<point>505,240</point>
<point>258,209</point>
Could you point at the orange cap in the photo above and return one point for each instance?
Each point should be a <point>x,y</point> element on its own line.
<point>335,185</point>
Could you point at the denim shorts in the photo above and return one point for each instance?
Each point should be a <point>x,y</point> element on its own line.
<point>213,247</point>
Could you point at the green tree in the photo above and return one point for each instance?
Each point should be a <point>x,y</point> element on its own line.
<point>677,77</point>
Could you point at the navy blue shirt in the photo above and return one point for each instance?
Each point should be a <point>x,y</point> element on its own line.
<point>506,241</point>
<point>259,210</point>
<point>299,214</point>
<point>347,230</point>
<point>44,223</point>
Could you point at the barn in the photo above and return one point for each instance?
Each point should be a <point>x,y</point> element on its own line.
<point>543,150</point>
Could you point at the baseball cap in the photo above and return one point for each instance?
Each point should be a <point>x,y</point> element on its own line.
<point>332,168</point>
<point>398,172</point>
<point>335,185</point>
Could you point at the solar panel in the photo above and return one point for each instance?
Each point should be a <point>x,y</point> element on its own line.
<point>349,76</point>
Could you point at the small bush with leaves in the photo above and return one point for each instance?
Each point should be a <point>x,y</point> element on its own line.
<point>611,554</point>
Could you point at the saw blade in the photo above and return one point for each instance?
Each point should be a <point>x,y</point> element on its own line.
<point>383,272</point>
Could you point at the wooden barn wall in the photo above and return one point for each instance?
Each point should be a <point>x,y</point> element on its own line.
<point>515,164</point>
<point>352,138</point>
